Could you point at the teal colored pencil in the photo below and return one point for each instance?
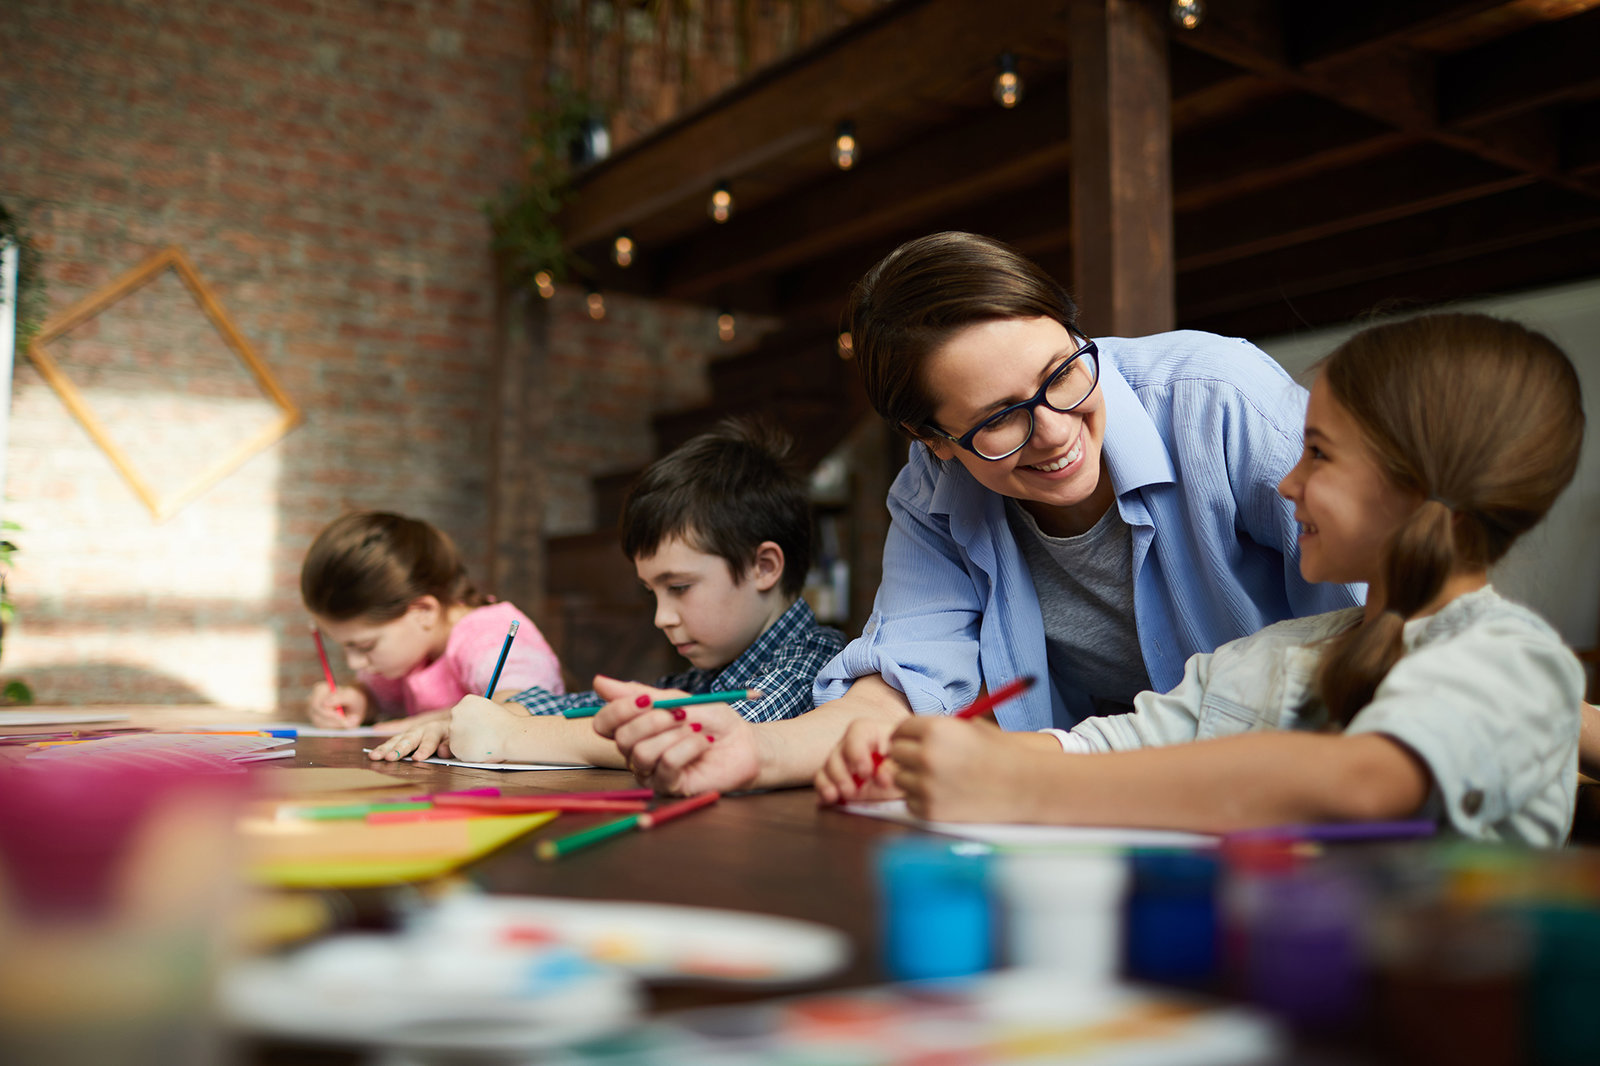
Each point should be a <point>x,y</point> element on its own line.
<point>678,701</point>
<point>550,849</point>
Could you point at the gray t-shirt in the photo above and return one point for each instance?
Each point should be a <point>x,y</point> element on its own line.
<point>1085,590</point>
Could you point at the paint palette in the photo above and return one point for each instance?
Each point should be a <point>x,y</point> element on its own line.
<point>426,995</point>
<point>654,941</point>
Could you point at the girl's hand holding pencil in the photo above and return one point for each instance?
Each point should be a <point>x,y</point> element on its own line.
<point>678,750</point>
<point>343,707</point>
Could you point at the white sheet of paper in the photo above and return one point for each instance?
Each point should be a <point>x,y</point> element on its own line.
<point>501,765</point>
<point>10,718</point>
<point>1037,836</point>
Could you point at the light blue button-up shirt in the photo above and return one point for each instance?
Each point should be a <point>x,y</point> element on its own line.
<point>1199,431</point>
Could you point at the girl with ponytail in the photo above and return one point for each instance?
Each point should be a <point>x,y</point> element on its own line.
<point>1431,445</point>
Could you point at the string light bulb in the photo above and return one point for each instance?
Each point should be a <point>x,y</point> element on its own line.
<point>545,284</point>
<point>721,206</point>
<point>725,325</point>
<point>597,304</point>
<point>1188,14</point>
<point>1007,83</point>
<point>622,250</point>
<point>844,146</point>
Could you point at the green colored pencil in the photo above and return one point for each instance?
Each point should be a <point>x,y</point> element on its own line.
<point>358,810</point>
<point>679,701</point>
<point>550,849</point>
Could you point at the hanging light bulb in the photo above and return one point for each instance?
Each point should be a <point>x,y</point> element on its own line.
<point>545,284</point>
<point>844,146</point>
<point>725,325</point>
<point>622,249</point>
<point>597,304</point>
<point>721,206</point>
<point>1007,84</point>
<point>847,348</point>
<point>1188,14</point>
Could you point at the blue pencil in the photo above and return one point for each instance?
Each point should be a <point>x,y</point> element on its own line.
<point>1336,831</point>
<point>505,649</point>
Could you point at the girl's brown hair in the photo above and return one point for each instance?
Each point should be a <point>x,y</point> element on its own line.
<point>924,291</point>
<point>372,565</point>
<point>1483,421</point>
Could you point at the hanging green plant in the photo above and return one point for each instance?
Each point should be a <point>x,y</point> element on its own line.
<point>30,277</point>
<point>561,137</point>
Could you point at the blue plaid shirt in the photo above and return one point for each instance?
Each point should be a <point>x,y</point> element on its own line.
<point>783,662</point>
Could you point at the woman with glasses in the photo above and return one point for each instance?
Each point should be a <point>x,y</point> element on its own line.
<point>1087,513</point>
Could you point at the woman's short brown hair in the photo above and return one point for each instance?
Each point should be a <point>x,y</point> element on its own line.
<point>924,291</point>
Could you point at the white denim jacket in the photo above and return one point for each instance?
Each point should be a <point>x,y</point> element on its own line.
<point>1486,695</point>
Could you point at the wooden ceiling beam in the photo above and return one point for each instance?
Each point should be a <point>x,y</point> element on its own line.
<point>1487,226</point>
<point>991,152</point>
<point>1548,262</point>
<point>798,102</point>
<point>1550,63</point>
<point>1419,178</point>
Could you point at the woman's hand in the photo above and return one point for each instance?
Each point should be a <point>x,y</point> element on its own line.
<point>324,703</point>
<point>858,766</point>
<point>681,750</point>
<point>953,770</point>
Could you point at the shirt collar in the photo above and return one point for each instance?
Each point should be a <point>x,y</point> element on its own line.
<point>1135,454</point>
<point>796,620</point>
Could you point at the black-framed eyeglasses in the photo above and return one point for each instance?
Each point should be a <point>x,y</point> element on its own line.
<point>1006,432</point>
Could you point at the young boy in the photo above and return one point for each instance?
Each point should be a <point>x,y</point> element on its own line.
<point>719,532</point>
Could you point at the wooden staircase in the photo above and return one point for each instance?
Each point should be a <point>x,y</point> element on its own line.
<point>599,619</point>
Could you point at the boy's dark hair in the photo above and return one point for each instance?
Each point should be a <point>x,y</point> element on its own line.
<point>725,492</point>
<point>373,564</point>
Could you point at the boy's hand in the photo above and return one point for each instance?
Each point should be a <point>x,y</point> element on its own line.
<point>421,739</point>
<point>482,730</point>
<point>955,771</point>
<point>858,767</point>
<point>324,703</point>
<point>681,751</point>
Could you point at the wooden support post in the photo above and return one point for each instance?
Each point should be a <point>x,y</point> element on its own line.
<point>1121,168</point>
<point>520,433</point>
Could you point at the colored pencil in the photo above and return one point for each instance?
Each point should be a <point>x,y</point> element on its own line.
<point>333,812</point>
<point>679,701</point>
<point>551,849</point>
<point>650,819</point>
<point>430,814</point>
<point>523,804</point>
<point>487,790</point>
<point>1334,831</point>
<point>327,671</point>
<point>984,704</point>
<point>505,649</point>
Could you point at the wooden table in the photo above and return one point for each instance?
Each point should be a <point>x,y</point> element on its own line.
<point>772,852</point>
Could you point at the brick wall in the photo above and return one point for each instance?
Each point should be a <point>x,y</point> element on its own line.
<point>322,163</point>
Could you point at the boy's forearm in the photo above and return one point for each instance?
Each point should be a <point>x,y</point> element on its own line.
<point>1589,741</point>
<point>552,738</point>
<point>1223,785</point>
<point>793,750</point>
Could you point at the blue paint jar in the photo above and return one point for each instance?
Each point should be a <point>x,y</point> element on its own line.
<point>1172,932</point>
<point>936,908</point>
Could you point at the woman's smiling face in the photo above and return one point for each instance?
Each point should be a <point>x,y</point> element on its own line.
<point>990,365</point>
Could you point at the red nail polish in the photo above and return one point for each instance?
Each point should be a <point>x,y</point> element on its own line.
<point>877,759</point>
<point>695,726</point>
<point>709,738</point>
<point>680,714</point>
<point>642,701</point>
<point>857,778</point>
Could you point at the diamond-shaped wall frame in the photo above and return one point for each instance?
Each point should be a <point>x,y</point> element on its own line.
<point>162,507</point>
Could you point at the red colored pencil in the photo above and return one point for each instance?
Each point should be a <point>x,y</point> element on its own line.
<point>673,810</point>
<point>984,704</point>
<point>327,671</point>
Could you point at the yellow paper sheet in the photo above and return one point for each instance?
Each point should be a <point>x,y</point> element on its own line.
<point>358,855</point>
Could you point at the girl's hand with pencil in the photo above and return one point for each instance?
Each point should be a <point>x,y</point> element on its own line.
<point>678,750</point>
<point>955,771</point>
<point>324,705</point>
<point>858,768</point>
